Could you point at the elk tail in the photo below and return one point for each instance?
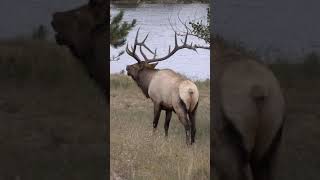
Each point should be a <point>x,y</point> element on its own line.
<point>258,94</point>
<point>189,94</point>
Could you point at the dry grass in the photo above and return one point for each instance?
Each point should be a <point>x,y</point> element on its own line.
<point>138,153</point>
<point>299,153</point>
<point>52,116</point>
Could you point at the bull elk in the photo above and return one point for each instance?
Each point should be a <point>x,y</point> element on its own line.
<point>84,31</point>
<point>248,116</point>
<point>168,90</point>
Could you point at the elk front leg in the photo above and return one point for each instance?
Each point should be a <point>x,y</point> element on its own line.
<point>156,117</point>
<point>182,114</point>
<point>167,121</point>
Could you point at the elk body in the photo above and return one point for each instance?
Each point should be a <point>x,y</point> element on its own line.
<point>248,117</point>
<point>168,90</point>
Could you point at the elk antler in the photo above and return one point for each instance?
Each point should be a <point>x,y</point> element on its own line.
<point>177,47</point>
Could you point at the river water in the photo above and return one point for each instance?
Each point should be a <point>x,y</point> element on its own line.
<point>155,19</point>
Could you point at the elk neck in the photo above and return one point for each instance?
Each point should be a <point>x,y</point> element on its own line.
<point>144,78</point>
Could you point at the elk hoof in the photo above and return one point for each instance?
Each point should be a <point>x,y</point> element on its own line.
<point>155,125</point>
<point>188,143</point>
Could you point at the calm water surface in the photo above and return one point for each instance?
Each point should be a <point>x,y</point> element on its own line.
<point>155,19</point>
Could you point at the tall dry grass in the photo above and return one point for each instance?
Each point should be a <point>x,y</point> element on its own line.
<point>136,152</point>
<point>52,116</point>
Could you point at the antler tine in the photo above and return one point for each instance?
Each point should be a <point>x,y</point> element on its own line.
<point>144,40</point>
<point>136,41</point>
<point>132,53</point>
<point>144,55</point>
<point>175,39</point>
<point>155,54</point>
<point>144,45</point>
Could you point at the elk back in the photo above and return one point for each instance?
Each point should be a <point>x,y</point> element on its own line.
<point>168,87</point>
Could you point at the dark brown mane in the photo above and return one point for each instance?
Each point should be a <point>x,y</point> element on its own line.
<point>84,31</point>
<point>144,79</point>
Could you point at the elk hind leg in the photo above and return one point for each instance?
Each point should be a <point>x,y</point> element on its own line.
<point>167,122</point>
<point>157,112</point>
<point>181,110</point>
<point>183,117</point>
<point>192,117</point>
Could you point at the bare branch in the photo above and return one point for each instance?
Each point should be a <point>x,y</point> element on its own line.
<point>117,57</point>
<point>183,33</point>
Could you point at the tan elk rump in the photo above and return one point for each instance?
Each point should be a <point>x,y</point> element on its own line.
<point>249,110</point>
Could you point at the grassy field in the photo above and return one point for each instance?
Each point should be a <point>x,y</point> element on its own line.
<point>52,122</point>
<point>299,154</point>
<point>138,153</point>
<point>52,117</point>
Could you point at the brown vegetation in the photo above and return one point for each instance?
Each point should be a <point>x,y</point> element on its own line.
<point>51,114</point>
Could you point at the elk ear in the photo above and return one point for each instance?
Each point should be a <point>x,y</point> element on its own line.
<point>152,66</point>
<point>141,65</point>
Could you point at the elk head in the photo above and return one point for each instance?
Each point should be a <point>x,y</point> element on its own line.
<point>76,28</point>
<point>134,69</point>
